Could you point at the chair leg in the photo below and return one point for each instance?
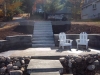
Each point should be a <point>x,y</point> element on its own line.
<point>62,47</point>
<point>70,47</point>
<point>77,46</point>
<point>59,46</point>
<point>87,47</point>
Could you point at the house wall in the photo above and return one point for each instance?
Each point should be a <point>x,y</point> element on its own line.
<point>88,12</point>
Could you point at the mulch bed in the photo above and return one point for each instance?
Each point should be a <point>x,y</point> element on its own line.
<point>90,29</point>
<point>8,30</point>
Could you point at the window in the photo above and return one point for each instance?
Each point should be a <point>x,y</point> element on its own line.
<point>94,6</point>
<point>98,15</point>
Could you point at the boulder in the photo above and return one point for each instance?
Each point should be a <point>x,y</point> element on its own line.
<point>2,59</point>
<point>22,62</point>
<point>17,63</point>
<point>22,69</point>
<point>3,69</point>
<point>21,58</point>
<point>15,67</point>
<point>9,66</point>
<point>70,63</point>
<point>27,60</point>
<point>62,59</point>
<point>3,64</point>
<point>8,59</point>
<point>91,67</point>
<point>96,63</point>
<point>7,74</point>
<point>15,59</point>
<point>90,60</point>
<point>99,57</point>
<point>78,59</point>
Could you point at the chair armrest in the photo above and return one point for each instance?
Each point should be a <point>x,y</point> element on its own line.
<point>60,40</point>
<point>77,40</point>
<point>69,40</point>
<point>88,39</point>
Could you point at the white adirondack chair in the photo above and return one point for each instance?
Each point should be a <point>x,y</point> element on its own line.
<point>63,41</point>
<point>83,40</point>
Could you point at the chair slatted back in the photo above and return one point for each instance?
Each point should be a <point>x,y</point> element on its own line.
<point>62,36</point>
<point>83,37</point>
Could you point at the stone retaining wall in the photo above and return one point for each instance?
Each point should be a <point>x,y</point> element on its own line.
<point>61,22</point>
<point>60,26</point>
<point>94,39</point>
<point>16,42</point>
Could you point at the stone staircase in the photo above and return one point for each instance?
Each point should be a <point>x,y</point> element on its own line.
<point>45,67</point>
<point>43,34</point>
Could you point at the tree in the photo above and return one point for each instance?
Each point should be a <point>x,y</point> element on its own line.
<point>1,1</point>
<point>27,6</point>
<point>1,8</point>
<point>13,7</point>
<point>75,6</point>
<point>52,6</point>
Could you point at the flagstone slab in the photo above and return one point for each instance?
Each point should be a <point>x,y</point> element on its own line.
<point>39,65</point>
<point>46,73</point>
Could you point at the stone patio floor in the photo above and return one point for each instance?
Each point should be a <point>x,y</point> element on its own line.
<point>35,52</point>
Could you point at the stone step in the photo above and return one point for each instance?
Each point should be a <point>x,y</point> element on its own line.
<point>43,42</point>
<point>40,65</point>
<point>43,45</point>
<point>42,33</point>
<point>46,73</point>
<point>43,39</point>
<point>43,22</point>
<point>48,29</point>
<point>67,74</point>
<point>42,36</point>
<point>43,25</point>
<point>42,30</point>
